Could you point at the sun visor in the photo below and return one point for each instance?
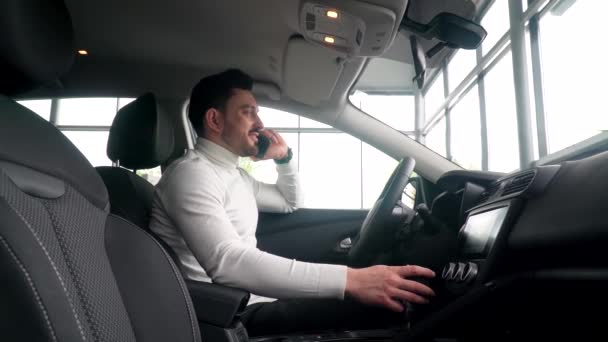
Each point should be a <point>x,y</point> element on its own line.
<point>266,89</point>
<point>310,71</point>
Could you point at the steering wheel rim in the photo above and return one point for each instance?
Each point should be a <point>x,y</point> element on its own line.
<point>378,227</point>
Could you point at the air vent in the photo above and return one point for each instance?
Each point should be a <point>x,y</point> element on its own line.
<point>519,183</point>
<point>485,196</point>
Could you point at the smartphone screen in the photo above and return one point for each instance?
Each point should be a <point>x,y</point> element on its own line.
<point>263,144</point>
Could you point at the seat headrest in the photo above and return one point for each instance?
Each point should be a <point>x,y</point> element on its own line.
<point>36,46</point>
<point>29,141</point>
<point>36,43</point>
<point>141,136</point>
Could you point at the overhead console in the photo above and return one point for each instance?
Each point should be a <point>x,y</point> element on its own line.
<point>353,28</point>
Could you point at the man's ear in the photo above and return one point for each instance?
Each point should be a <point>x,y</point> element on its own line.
<point>214,120</point>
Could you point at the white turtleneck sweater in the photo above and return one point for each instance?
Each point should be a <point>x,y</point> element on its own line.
<point>206,209</point>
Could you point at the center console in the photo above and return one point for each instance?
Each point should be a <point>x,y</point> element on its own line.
<point>467,279</point>
<point>478,239</point>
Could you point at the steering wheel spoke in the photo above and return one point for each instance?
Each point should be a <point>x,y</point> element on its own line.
<point>380,225</point>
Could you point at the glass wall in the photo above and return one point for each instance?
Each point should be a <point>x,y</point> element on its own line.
<point>395,110</point>
<point>436,138</point>
<point>337,171</point>
<point>460,66</point>
<point>435,95</point>
<point>571,78</point>
<point>501,117</point>
<point>466,128</point>
<point>40,107</point>
<point>86,122</point>
<point>574,72</point>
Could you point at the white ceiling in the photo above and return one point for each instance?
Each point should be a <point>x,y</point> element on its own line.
<point>168,45</point>
<point>165,46</point>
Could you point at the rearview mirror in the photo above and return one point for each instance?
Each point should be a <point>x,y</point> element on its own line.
<point>419,62</point>
<point>457,32</point>
<point>451,30</point>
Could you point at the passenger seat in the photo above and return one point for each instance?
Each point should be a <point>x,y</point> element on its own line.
<point>69,270</point>
<point>141,137</point>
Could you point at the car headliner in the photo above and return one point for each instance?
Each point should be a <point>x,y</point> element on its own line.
<point>166,46</point>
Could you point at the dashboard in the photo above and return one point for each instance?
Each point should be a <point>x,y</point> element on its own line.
<point>489,206</point>
<point>523,240</point>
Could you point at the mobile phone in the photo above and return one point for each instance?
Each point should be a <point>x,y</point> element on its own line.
<point>263,144</point>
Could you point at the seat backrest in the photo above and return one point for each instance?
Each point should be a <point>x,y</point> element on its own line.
<point>141,137</point>
<point>69,270</point>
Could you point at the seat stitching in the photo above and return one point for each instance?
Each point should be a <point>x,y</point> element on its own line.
<point>32,287</point>
<point>63,286</point>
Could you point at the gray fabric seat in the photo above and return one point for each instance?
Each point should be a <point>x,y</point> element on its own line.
<point>69,270</point>
<point>141,137</point>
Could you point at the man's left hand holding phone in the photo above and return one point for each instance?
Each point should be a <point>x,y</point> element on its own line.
<point>270,146</point>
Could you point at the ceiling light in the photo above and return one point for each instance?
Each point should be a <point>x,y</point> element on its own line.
<point>332,14</point>
<point>329,39</point>
<point>83,52</point>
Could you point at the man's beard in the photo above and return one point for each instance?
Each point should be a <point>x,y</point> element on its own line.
<point>238,145</point>
<point>250,151</point>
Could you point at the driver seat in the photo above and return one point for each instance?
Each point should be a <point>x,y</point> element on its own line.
<point>141,137</point>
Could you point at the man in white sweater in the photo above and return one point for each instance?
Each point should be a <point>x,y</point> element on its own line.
<point>206,208</point>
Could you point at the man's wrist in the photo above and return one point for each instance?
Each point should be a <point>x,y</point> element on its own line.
<point>285,159</point>
<point>351,280</point>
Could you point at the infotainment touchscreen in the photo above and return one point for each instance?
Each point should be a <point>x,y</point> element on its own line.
<point>480,230</point>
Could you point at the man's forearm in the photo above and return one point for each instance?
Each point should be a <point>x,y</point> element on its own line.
<point>239,265</point>
<point>288,183</point>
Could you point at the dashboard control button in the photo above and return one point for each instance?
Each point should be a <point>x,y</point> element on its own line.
<point>471,272</point>
<point>460,271</point>
<point>448,271</point>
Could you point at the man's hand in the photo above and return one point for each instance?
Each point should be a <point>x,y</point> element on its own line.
<point>388,286</point>
<point>277,148</point>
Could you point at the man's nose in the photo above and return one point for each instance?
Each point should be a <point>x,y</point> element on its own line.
<point>258,123</point>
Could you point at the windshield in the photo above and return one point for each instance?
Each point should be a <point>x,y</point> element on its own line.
<point>480,113</point>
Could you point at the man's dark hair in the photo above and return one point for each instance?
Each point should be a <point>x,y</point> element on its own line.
<point>213,92</point>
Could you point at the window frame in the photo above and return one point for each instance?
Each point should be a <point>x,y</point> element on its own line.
<point>54,116</point>
<point>331,130</point>
<point>521,23</point>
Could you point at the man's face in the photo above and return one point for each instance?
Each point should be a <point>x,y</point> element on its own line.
<point>241,123</point>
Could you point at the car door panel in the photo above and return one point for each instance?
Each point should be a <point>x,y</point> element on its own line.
<point>310,235</point>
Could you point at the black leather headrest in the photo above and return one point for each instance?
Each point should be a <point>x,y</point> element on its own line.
<point>141,136</point>
<point>36,43</point>
<point>28,140</point>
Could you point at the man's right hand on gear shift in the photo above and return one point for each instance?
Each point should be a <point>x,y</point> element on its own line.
<point>388,286</point>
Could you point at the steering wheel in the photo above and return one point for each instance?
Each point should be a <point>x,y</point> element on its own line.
<point>379,226</point>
